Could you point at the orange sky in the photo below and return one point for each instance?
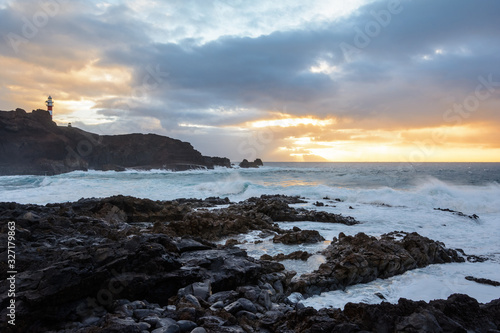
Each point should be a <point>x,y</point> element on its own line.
<point>274,90</point>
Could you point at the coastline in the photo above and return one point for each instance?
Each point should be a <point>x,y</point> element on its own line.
<point>158,262</point>
<point>32,144</point>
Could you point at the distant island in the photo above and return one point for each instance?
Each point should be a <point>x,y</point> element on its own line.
<point>31,143</point>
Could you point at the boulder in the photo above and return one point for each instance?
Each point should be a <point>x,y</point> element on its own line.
<point>362,258</point>
<point>299,237</point>
<point>255,164</point>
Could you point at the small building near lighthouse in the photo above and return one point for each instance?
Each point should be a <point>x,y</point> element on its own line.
<point>49,104</point>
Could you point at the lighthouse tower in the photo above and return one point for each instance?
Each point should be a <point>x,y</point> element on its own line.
<point>50,104</point>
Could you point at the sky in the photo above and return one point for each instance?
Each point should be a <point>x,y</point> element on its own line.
<point>289,80</point>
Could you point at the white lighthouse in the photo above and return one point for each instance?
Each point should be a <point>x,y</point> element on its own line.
<point>49,104</point>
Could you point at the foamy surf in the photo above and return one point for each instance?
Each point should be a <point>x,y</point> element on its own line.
<point>385,197</point>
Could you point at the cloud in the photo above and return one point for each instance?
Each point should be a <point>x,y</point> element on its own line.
<point>199,70</point>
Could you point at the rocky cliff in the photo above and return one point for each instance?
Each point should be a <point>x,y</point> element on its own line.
<point>31,143</point>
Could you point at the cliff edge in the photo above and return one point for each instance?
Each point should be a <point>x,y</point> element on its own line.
<point>31,143</point>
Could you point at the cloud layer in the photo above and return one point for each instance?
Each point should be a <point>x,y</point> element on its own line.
<point>385,76</point>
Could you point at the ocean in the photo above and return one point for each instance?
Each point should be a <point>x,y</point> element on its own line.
<point>384,197</point>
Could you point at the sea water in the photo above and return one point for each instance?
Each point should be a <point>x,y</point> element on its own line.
<point>384,197</point>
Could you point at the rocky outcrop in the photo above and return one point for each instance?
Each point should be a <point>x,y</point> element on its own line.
<point>296,255</point>
<point>278,209</point>
<point>472,217</point>
<point>362,258</point>
<point>297,236</point>
<point>255,164</point>
<point>458,313</point>
<point>33,144</point>
<point>483,281</point>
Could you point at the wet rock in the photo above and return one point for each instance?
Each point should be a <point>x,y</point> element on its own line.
<point>255,164</point>
<point>299,237</point>
<point>168,329</point>
<point>232,242</point>
<point>483,281</point>
<point>199,330</point>
<point>271,317</point>
<point>186,325</point>
<point>278,209</point>
<point>472,217</point>
<point>362,258</point>
<point>139,314</point>
<point>239,305</point>
<point>201,290</point>
<point>187,245</point>
<point>296,255</point>
<point>225,297</point>
<point>420,322</point>
<point>165,322</point>
<point>289,199</point>
<point>405,316</point>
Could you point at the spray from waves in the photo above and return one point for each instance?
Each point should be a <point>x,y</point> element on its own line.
<point>232,185</point>
<point>429,194</point>
<point>368,186</point>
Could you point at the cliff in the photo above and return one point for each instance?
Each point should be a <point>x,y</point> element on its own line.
<point>31,143</point>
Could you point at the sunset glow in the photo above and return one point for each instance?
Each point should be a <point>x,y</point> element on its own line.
<point>286,81</point>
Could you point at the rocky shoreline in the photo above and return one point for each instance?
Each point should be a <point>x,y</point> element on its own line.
<point>123,264</point>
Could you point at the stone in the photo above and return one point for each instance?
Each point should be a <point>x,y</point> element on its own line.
<point>186,325</point>
<point>421,322</point>
<point>89,321</point>
<point>255,164</point>
<point>247,305</point>
<point>143,313</point>
<point>483,281</point>
<point>165,322</point>
<point>199,330</point>
<point>168,329</point>
<point>299,237</point>
<point>362,258</point>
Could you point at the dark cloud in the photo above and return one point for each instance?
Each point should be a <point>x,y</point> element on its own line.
<point>403,70</point>
<point>272,71</point>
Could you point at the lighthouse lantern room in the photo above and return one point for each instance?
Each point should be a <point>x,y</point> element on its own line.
<point>49,104</point>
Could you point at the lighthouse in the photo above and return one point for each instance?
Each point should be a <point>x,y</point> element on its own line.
<point>50,104</point>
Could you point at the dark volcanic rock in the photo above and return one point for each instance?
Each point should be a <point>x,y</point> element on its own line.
<point>296,255</point>
<point>361,259</point>
<point>255,164</point>
<point>33,144</point>
<point>483,281</point>
<point>459,313</point>
<point>278,209</point>
<point>252,214</point>
<point>299,237</point>
<point>96,266</point>
<point>472,217</point>
<point>78,259</point>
